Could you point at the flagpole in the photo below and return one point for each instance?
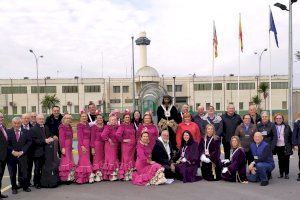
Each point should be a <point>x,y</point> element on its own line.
<point>270,83</point>
<point>213,67</point>
<point>239,66</point>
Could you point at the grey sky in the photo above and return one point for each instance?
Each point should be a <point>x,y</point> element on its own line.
<point>72,33</point>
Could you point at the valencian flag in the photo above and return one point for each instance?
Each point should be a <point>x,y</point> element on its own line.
<point>241,34</point>
<point>273,27</point>
<point>215,41</point>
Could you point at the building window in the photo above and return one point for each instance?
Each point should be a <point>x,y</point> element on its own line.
<point>197,105</point>
<point>207,106</point>
<point>33,108</point>
<point>23,109</point>
<point>284,105</point>
<point>241,105</point>
<point>14,90</point>
<point>207,86</point>
<point>130,101</point>
<point>43,89</point>
<point>5,110</point>
<point>92,88</point>
<point>115,101</point>
<point>76,109</point>
<point>125,89</point>
<point>178,88</point>
<point>65,109</point>
<point>247,86</point>
<point>218,106</point>
<point>116,89</point>
<point>70,89</point>
<point>279,85</point>
<point>169,88</point>
<point>15,110</point>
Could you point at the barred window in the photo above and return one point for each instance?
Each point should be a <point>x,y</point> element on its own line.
<point>207,86</point>
<point>125,89</point>
<point>43,89</point>
<point>92,88</point>
<point>116,89</point>
<point>15,90</point>
<point>70,89</point>
<point>169,88</point>
<point>115,101</point>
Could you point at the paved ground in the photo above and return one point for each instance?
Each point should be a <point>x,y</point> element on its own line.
<point>280,189</point>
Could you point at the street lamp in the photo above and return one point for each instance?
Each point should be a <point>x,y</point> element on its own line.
<point>37,77</point>
<point>174,93</point>
<point>290,56</point>
<point>259,62</point>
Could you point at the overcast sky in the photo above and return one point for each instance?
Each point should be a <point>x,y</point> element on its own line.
<point>71,33</point>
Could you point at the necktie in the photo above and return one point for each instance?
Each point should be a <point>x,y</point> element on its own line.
<point>17,135</point>
<point>3,132</point>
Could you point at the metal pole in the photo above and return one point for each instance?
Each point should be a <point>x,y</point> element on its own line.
<point>290,71</point>
<point>133,77</point>
<point>174,93</point>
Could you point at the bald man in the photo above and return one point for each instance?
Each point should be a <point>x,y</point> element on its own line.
<point>263,164</point>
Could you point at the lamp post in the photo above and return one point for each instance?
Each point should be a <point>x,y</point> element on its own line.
<point>259,63</point>
<point>290,57</point>
<point>36,57</point>
<point>76,77</point>
<point>174,92</point>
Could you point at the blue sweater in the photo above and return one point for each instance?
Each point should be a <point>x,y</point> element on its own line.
<point>262,152</point>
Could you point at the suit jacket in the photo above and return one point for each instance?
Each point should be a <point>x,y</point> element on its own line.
<point>22,145</point>
<point>38,140</point>
<point>3,146</point>
<point>159,154</point>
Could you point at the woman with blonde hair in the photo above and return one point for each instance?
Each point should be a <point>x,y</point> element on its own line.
<point>209,151</point>
<point>234,170</point>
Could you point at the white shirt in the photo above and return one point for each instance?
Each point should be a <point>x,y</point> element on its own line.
<point>166,146</point>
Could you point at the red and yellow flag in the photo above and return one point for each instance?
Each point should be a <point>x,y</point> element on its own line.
<point>241,34</point>
<point>215,41</point>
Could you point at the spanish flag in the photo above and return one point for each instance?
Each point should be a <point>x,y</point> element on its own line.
<point>215,41</point>
<point>241,34</point>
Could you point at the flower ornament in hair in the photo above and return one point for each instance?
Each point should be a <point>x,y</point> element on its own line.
<point>82,111</point>
<point>126,112</point>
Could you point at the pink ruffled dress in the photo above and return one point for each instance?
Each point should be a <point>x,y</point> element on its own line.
<point>98,144</point>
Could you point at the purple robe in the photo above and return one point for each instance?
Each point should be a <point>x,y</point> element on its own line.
<point>111,162</point>
<point>144,171</point>
<point>84,166</point>
<point>237,167</point>
<point>66,164</point>
<point>187,171</point>
<point>126,131</point>
<point>152,131</point>
<point>98,144</point>
<point>211,171</point>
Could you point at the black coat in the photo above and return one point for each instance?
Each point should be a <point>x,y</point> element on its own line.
<point>288,140</point>
<point>271,136</point>
<point>159,154</point>
<point>229,124</point>
<point>38,140</point>
<point>53,124</point>
<point>161,114</point>
<point>22,145</point>
<point>257,119</point>
<point>3,146</point>
<point>296,133</point>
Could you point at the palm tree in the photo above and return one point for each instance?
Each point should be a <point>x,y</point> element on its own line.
<point>49,101</point>
<point>257,101</point>
<point>264,89</point>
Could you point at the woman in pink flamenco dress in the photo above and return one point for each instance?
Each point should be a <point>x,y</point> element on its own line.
<point>126,135</point>
<point>97,145</point>
<point>151,128</point>
<point>66,165</point>
<point>84,167</point>
<point>147,171</point>
<point>111,162</point>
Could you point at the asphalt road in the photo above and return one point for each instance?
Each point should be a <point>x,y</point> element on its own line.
<point>280,189</point>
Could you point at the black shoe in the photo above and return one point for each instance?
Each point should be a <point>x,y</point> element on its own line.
<point>37,187</point>
<point>286,176</point>
<point>14,191</point>
<point>19,187</point>
<point>280,176</point>
<point>298,179</point>
<point>264,183</point>
<point>2,196</point>
<point>27,190</point>
<point>269,175</point>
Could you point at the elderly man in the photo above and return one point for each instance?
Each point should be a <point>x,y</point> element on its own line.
<point>3,151</point>
<point>212,118</point>
<point>255,118</point>
<point>230,121</point>
<point>198,119</point>
<point>39,135</point>
<point>296,140</point>
<point>263,164</point>
<point>184,109</point>
<point>19,142</point>
<point>162,153</point>
<point>32,118</point>
<point>268,130</point>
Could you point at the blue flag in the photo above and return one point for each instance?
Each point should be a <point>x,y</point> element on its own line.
<point>273,27</point>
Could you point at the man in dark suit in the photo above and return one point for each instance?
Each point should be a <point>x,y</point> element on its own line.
<point>27,126</point>
<point>162,153</point>
<point>3,151</point>
<point>18,144</point>
<point>39,135</point>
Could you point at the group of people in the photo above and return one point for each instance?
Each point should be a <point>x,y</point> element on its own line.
<point>131,147</point>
